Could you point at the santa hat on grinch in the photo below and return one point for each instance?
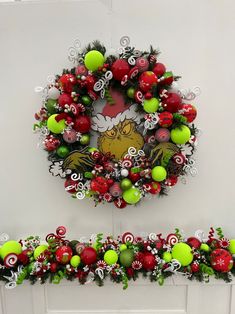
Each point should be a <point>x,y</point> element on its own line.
<point>111,115</point>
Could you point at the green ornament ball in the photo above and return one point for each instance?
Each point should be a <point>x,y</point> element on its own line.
<point>122,247</point>
<point>126,184</point>
<point>92,149</point>
<point>85,139</point>
<point>183,253</point>
<point>231,247</point>
<point>75,261</point>
<point>10,247</point>
<point>126,257</point>
<point>110,257</point>
<point>167,257</point>
<point>159,173</point>
<point>180,135</point>
<point>132,196</point>
<point>50,105</point>
<point>151,105</point>
<point>93,60</point>
<point>86,100</point>
<point>54,126</point>
<point>131,92</point>
<point>204,247</point>
<point>39,250</point>
<point>62,151</point>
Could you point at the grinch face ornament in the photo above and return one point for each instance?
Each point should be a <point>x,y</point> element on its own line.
<point>117,126</point>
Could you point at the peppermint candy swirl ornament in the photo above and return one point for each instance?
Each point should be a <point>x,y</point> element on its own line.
<point>128,237</point>
<point>172,239</point>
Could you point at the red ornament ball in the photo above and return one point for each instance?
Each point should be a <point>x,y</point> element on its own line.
<point>70,136</point>
<point>65,99</point>
<point>142,64</point>
<point>194,242</point>
<point>53,267</point>
<point>82,124</point>
<point>152,187</point>
<point>51,143</point>
<point>120,68</point>
<point>88,255</point>
<point>147,80</point>
<point>99,185</point>
<point>159,69</point>
<point>67,81</point>
<point>134,177</point>
<point>81,70</point>
<point>63,254</point>
<point>120,203</point>
<point>189,112</point>
<point>195,267</point>
<point>162,135</point>
<point>90,81</point>
<point>115,189</point>
<point>171,181</point>
<point>165,119</point>
<point>172,103</point>
<point>149,261</point>
<point>221,260</point>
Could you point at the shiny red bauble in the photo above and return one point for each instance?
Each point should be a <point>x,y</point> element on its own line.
<point>165,119</point>
<point>147,80</point>
<point>99,185</point>
<point>195,267</point>
<point>120,203</point>
<point>152,187</point>
<point>134,177</point>
<point>194,242</point>
<point>221,260</point>
<point>171,181</point>
<point>67,81</point>
<point>82,124</point>
<point>64,99</point>
<point>70,186</point>
<point>63,254</point>
<point>81,70</point>
<point>53,267</point>
<point>149,261</point>
<point>159,69</point>
<point>88,255</point>
<point>172,103</point>
<point>90,82</point>
<point>120,68</point>
<point>189,112</point>
<point>51,143</point>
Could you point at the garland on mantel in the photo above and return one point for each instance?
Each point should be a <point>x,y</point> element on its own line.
<point>121,259</point>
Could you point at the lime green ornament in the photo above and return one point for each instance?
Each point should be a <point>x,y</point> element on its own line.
<point>167,257</point>
<point>92,149</point>
<point>131,92</point>
<point>231,247</point>
<point>110,257</point>
<point>183,253</point>
<point>54,126</point>
<point>10,247</point>
<point>75,261</point>
<point>50,105</point>
<point>122,247</point>
<point>204,247</point>
<point>132,196</point>
<point>180,135</point>
<point>39,250</point>
<point>159,173</point>
<point>85,139</point>
<point>86,100</point>
<point>126,184</point>
<point>93,60</point>
<point>126,257</point>
<point>62,151</point>
<point>151,105</point>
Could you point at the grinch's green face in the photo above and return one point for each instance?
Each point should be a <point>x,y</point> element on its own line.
<point>118,140</point>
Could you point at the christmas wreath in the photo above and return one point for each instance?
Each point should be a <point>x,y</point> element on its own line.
<point>116,127</point>
<point>120,259</point>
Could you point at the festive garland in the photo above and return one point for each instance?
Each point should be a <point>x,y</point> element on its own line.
<point>121,259</point>
<point>146,138</point>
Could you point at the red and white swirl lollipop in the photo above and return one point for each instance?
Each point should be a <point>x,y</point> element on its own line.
<point>172,239</point>
<point>179,159</point>
<point>10,260</point>
<point>128,237</point>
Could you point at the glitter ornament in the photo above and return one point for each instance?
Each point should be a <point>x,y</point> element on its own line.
<point>149,261</point>
<point>221,260</point>
<point>70,136</point>
<point>88,255</point>
<point>162,135</point>
<point>189,112</point>
<point>99,185</point>
<point>165,119</point>
<point>172,103</point>
<point>159,69</point>
<point>67,82</point>
<point>119,68</point>
<point>82,124</point>
<point>63,254</point>
<point>147,80</point>
<point>142,64</point>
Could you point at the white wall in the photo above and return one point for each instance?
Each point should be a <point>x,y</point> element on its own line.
<point>196,40</point>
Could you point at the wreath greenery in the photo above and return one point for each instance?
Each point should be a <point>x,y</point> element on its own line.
<point>143,122</point>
